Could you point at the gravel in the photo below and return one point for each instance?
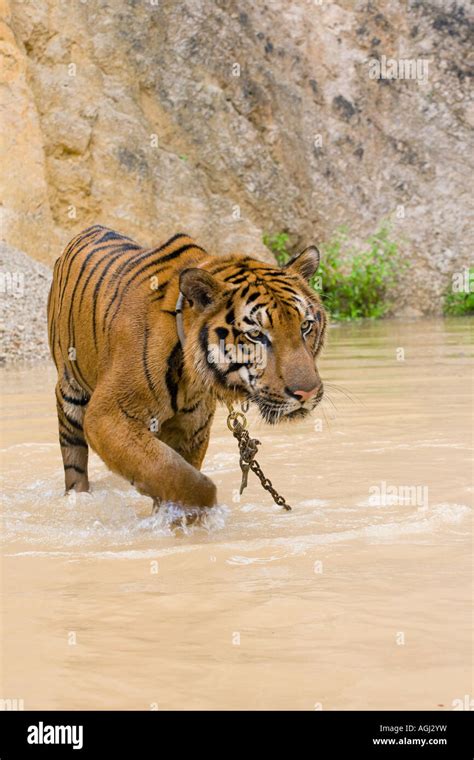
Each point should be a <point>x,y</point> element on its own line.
<point>24,288</point>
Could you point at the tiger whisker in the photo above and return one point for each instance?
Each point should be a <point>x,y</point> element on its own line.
<point>328,398</point>
<point>326,418</point>
<point>348,394</point>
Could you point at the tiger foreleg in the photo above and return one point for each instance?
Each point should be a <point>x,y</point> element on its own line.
<point>128,448</point>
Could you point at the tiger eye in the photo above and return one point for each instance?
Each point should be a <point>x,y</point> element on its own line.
<point>254,333</point>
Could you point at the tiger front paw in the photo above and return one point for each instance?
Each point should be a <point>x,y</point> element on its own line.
<point>205,494</point>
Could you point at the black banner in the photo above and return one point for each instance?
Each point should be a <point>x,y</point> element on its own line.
<point>374,734</point>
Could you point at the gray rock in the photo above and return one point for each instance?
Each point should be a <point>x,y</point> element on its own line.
<point>24,288</point>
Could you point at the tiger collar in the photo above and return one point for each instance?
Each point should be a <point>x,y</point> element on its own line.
<point>179,319</point>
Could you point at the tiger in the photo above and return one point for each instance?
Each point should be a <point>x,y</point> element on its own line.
<point>147,342</point>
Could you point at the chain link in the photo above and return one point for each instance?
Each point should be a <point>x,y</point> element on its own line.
<point>237,423</point>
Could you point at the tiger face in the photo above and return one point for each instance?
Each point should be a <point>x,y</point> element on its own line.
<point>254,333</point>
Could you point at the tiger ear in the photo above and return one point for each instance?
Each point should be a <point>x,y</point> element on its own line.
<point>199,287</point>
<point>305,263</point>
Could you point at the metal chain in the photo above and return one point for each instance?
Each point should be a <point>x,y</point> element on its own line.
<point>237,423</point>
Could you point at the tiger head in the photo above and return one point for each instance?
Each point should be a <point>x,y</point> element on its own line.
<point>254,332</point>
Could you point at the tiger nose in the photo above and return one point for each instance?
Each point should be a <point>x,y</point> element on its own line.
<point>303,396</point>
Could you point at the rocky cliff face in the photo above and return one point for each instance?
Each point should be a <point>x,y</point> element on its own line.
<point>229,118</point>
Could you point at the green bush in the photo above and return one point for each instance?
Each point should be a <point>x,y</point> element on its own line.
<point>278,245</point>
<point>353,282</point>
<point>461,303</point>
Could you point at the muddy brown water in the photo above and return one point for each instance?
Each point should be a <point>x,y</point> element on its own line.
<point>358,599</point>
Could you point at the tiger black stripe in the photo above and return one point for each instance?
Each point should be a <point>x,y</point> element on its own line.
<point>110,248</point>
<point>218,269</point>
<point>63,283</point>
<point>190,409</point>
<point>76,401</point>
<point>256,308</point>
<point>234,366</point>
<point>72,441</point>
<point>146,369</point>
<point>173,374</point>
<point>109,261</point>
<point>129,265</point>
<point>203,342</point>
<point>88,233</point>
<point>157,294</point>
<point>51,322</point>
<point>75,425</point>
<point>95,299</point>
<point>287,289</point>
<point>127,414</point>
<point>77,374</point>
<point>222,332</point>
<point>161,260</point>
<point>117,253</point>
<point>111,235</point>
<point>65,417</point>
<point>237,279</point>
<point>82,270</point>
